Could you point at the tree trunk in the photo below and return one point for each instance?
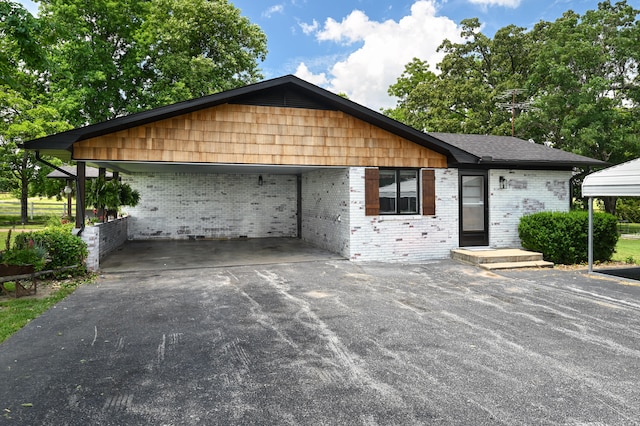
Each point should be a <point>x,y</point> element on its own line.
<point>610,204</point>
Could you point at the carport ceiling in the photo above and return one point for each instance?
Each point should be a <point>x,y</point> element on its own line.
<point>151,167</point>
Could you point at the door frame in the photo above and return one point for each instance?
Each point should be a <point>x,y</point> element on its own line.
<point>474,238</point>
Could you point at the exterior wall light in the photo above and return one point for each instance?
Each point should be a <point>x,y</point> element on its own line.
<point>503,182</point>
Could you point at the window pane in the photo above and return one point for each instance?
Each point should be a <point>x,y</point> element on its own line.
<point>388,191</point>
<point>408,191</point>
<point>473,203</point>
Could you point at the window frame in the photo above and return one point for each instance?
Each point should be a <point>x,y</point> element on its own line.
<point>398,197</point>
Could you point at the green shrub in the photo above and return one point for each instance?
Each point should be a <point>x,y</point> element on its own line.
<point>34,255</point>
<point>563,237</point>
<point>63,248</point>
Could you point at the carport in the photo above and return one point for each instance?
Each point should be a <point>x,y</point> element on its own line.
<point>622,180</point>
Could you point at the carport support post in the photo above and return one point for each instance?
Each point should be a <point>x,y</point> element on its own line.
<point>80,188</point>
<point>590,237</point>
<point>102,211</point>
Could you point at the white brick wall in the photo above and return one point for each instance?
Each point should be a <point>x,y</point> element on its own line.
<point>102,239</point>
<point>180,205</point>
<point>325,209</point>
<point>405,238</point>
<point>526,192</point>
<point>91,236</point>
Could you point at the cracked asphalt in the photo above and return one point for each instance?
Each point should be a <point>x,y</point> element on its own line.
<point>330,342</point>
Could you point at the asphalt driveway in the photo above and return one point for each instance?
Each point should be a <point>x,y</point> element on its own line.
<point>330,342</point>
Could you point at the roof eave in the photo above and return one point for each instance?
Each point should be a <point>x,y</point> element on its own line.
<point>533,164</point>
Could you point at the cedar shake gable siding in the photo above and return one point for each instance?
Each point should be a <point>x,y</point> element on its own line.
<point>253,134</point>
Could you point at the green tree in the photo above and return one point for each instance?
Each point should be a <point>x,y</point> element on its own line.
<point>23,120</point>
<point>114,58</point>
<point>473,74</point>
<point>22,57</point>
<point>193,48</point>
<point>585,83</point>
<point>23,116</point>
<point>95,73</point>
<point>413,90</point>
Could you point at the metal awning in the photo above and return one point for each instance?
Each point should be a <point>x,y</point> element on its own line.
<point>622,180</point>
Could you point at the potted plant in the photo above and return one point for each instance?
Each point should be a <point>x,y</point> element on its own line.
<point>109,195</point>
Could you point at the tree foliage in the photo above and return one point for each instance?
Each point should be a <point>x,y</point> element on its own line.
<point>575,83</point>
<point>117,57</point>
<point>24,120</point>
<point>461,97</point>
<point>21,52</point>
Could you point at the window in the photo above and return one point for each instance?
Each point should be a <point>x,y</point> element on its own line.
<point>395,191</point>
<point>398,191</point>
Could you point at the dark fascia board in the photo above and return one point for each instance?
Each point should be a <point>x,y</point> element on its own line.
<point>65,140</point>
<point>531,165</point>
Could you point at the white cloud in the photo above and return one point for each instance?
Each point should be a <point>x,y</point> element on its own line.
<point>278,8</point>
<point>354,27</point>
<point>505,3</point>
<point>309,28</point>
<point>303,72</point>
<point>385,48</point>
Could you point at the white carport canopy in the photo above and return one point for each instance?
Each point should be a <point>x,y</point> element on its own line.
<point>622,180</point>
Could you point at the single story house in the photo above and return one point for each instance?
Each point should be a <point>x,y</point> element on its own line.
<point>285,158</point>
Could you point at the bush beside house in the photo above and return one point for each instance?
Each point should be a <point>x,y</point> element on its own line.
<point>562,237</point>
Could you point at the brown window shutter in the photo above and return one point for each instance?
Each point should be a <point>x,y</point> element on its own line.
<point>371,192</point>
<point>428,192</point>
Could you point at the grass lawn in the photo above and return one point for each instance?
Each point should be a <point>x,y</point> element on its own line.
<point>16,313</point>
<point>627,251</point>
<point>13,221</point>
<point>4,232</point>
<point>43,209</point>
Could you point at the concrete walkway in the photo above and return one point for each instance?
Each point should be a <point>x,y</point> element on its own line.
<point>330,342</point>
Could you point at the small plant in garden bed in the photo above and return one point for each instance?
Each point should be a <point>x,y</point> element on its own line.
<point>31,254</point>
<point>49,248</point>
<point>34,255</point>
<point>63,248</point>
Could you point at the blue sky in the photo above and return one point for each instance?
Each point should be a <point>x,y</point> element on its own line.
<point>360,47</point>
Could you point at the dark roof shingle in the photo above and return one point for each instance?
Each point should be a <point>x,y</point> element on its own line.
<point>515,151</point>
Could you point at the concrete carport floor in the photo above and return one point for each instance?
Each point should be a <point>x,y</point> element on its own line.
<point>158,255</point>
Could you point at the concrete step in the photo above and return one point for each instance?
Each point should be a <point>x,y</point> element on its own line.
<point>500,258</point>
<point>516,265</point>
